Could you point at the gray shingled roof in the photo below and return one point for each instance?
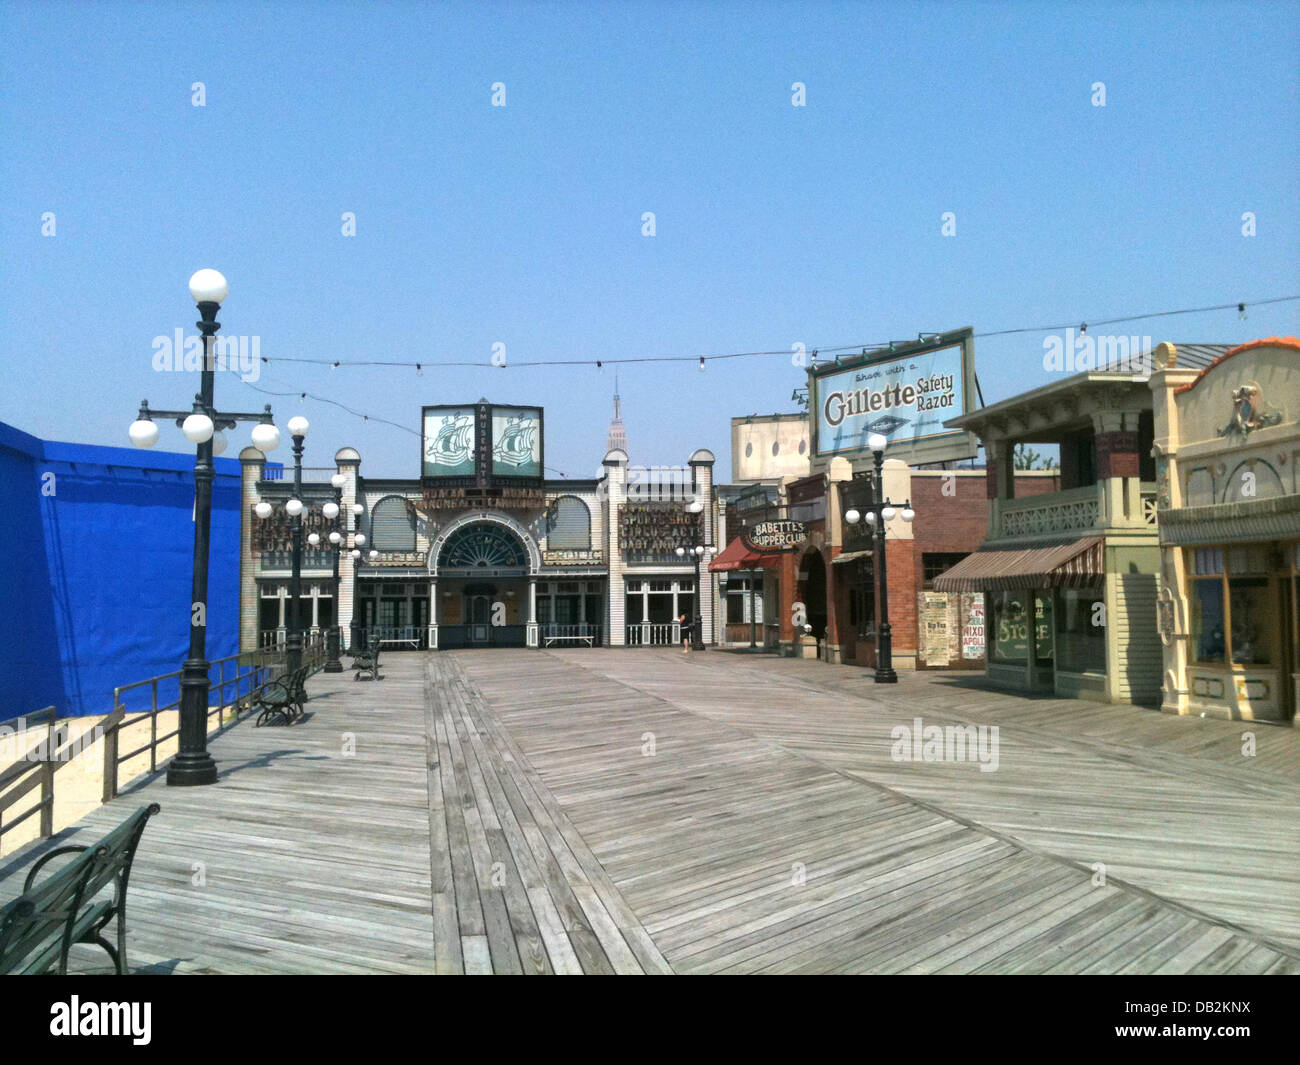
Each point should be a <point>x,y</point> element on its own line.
<point>1192,356</point>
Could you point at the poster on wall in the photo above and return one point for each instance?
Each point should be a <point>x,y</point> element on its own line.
<point>516,442</point>
<point>934,612</point>
<point>448,442</point>
<point>972,632</point>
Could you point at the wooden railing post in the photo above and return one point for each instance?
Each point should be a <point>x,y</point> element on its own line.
<point>110,749</point>
<point>47,780</point>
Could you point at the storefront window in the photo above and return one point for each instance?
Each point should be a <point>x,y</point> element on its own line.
<point>1010,627</point>
<point>1232,606</point>
<point>1044,642</point>
<point>1251,634</point>
<point>1081,630</point>
<point>738,600</point>
<point>1207,619</point>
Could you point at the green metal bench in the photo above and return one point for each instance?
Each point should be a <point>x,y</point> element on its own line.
<point>281,701</point>
<point>38,928</point>
<point>365,662</point>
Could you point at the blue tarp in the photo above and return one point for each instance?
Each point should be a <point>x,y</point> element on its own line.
<point>95,582</point>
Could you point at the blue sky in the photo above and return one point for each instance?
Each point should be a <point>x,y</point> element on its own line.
<point>521,225</point>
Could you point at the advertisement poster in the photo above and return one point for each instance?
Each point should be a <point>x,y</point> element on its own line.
<point>905,400</point>
<point>934,614</point>
<point>516,442</point>
<point>972,632</point>
<point>448,442</point>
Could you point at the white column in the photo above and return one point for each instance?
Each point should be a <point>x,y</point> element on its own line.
<point>433,614</point>
<point>615,495</point>
<point>531,637</point>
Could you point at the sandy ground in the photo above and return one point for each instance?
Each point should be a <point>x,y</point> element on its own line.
<point>79,782</point>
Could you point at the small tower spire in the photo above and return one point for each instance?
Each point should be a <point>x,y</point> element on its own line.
<point>617,438</point>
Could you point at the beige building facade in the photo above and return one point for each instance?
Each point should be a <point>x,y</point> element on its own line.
<point>1071,577</point>
<point>1227,447</point>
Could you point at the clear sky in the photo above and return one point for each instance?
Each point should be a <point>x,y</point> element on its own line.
<point>522,225</point>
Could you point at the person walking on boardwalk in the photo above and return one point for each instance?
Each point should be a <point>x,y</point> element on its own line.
<point>685,627</point>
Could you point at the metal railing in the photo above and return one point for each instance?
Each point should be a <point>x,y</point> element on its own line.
<point>310,474</point>
<point>648,634</point>
<point>28,773</point>
<point>239,679</point>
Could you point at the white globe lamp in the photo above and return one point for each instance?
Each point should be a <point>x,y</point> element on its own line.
<point>143,433</point>
<point>208,286</point>
<point>197,428</point>
<point>266,437</point>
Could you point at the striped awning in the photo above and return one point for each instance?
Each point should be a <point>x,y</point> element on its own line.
<point>1046,564</point>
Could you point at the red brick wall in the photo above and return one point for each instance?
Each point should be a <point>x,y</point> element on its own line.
<point>904,562</point>
<point>960,522</point>
<point>1117,454</point>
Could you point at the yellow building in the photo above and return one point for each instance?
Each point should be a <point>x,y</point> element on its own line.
<point>1227,447</point>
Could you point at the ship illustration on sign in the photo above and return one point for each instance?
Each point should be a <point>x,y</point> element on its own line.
<point>454,442</point>
<point>517,444</point>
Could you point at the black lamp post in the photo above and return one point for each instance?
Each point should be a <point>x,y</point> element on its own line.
<point>880,512</point>
<point>298,427</point>
<point>338,539</point>
<point>203,425</point>
<point>335,635</point>
<point>700,550</point>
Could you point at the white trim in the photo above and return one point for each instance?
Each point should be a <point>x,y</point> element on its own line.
<point>477,518</point>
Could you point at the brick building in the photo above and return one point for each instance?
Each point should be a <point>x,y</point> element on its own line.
<point>833,576</point>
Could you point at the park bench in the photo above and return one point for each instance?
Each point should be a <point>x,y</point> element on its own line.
<point>38,928</point>
<point>588,638</point>
<point>281,700</point>
<point>366,661</point>
<point>569,632</point>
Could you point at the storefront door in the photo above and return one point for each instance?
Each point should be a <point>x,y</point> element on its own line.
<point>478,610</point>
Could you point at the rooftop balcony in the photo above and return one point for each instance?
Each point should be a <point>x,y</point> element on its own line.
<point>1075,512</point>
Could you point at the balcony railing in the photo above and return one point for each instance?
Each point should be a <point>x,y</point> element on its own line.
<point>283,560</point>
<point>1074,510</point>
<point>1149,504</point>
<point>310,474</point>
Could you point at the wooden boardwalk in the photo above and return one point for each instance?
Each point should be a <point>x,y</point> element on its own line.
<point>643,811</point>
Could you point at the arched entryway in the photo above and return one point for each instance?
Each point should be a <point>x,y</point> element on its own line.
<point>812,582</point>
<point>483,585</point>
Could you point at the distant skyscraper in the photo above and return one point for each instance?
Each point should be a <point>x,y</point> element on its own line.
<point>617,431</point>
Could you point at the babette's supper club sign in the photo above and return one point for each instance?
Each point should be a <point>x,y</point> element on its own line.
<point>905,395</point>
<point>774,537</point>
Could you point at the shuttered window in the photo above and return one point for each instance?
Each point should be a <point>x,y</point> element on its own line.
<point>392,525</point>
<point>570,527</point>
